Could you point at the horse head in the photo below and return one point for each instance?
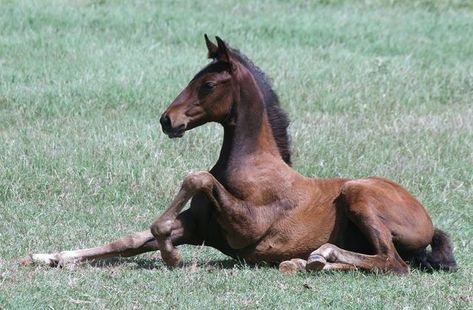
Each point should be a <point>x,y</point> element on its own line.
<point>208,97</point>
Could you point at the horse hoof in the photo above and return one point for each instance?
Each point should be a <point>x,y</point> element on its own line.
<point>315,262</point>
<point>172,259</point>
<point>292,266</point>
<point>288,267</point>
<point>26,261</point>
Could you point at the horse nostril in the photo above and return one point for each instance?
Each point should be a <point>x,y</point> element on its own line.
<point>165,121</point>
<point>181,127</point>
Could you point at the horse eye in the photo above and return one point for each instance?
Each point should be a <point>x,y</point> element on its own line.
<point>208,86</point>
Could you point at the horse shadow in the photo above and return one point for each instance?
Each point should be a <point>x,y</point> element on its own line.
<point>193,264</point>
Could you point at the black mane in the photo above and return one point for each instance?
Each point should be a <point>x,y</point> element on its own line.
<point>277,116</point>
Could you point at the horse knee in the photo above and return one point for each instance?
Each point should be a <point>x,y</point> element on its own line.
<point>197,181</point>
<point>161,228</point>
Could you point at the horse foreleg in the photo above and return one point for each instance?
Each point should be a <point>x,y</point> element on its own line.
<point>225,204</point>
<point>130,245</point>
<point>127,246</point>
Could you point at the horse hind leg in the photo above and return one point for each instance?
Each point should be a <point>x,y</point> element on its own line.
<point>362,211</point>
<point>331,257</point>
<point>297,264</point>
<point>328,256</point>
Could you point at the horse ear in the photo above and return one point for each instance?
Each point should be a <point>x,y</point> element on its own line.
<point>211,47</point>
<point>224,53</point>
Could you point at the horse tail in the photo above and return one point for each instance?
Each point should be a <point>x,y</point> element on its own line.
<point>440,257</point>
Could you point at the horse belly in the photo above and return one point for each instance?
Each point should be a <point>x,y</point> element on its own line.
<point>296,236</point>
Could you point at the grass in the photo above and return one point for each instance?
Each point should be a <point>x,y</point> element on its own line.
<point>372,88</point>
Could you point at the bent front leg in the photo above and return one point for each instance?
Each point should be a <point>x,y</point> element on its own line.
<point>162,226</point>
<point>239,219</point>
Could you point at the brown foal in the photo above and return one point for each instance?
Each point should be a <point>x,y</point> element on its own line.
<point>252,205</point>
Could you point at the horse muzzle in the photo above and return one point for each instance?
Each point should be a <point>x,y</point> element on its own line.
<point>170,130</point>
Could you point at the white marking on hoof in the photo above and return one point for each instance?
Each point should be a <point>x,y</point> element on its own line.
<point>45,259</point>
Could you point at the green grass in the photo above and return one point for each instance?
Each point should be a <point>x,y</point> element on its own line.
<point>372,88</point>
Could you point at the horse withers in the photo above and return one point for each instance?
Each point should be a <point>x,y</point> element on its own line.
<point>253,206</point>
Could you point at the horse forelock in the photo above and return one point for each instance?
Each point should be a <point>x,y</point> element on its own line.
<point>214,66</point>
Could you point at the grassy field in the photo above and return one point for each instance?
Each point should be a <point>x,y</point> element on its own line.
<point>372,88</point>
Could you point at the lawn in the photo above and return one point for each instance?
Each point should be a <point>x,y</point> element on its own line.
<point>372,88</point>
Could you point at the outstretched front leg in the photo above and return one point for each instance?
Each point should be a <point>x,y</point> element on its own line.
<point>240,220</point>
<point>130,245</point>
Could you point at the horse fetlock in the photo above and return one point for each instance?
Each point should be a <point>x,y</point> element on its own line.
<point>327,251</point>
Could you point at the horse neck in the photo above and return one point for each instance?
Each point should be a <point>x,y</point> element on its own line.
<point>251,135</point>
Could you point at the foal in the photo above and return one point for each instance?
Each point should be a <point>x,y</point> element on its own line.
<point>252,205</point>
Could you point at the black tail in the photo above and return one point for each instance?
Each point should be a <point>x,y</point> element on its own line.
<point>441,257</point>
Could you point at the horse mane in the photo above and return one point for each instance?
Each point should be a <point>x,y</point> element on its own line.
<point>278,118</point>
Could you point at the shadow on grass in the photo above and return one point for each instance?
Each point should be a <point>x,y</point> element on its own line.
<point>156,263</point>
